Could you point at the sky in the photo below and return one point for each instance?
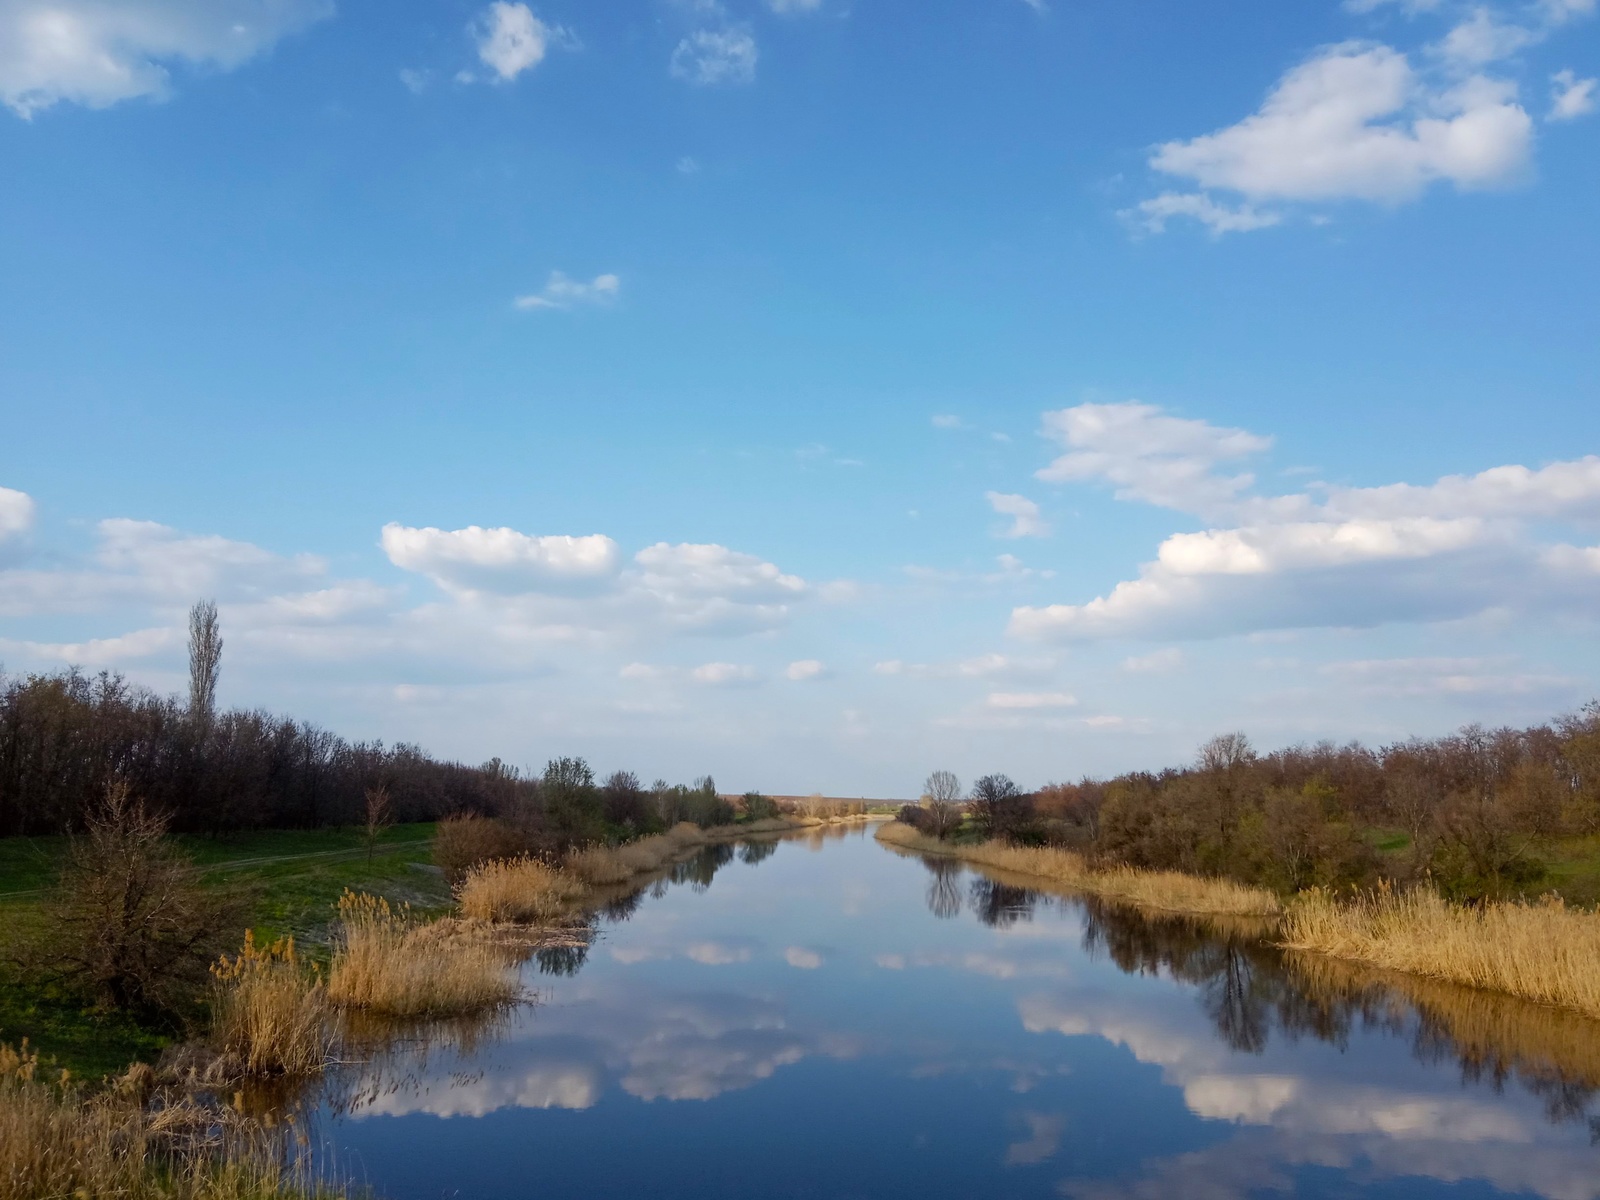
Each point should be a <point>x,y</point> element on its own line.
<point>814,393</point>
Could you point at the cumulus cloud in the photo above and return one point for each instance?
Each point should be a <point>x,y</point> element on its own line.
<point>799,956</point>
<point>500,560</point>
<point>560,292</point>
<point>805,668</point>
<point>1357,121</point>
<point>1149,455</point>
<point>1024,514</point>
<point>715,56</point>
<point>1346,557</point>
<point>512,40</point>
<point>16,513</point>
<point>97,54</point>
<point>1571,97</point>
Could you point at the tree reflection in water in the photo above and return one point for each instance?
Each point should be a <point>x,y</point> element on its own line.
<point>1250,990</point>
<point>751,853</point>
<point>944,889</point>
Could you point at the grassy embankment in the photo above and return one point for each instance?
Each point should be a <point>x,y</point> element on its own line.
<point>294,879</point>
<point>1541,950</point>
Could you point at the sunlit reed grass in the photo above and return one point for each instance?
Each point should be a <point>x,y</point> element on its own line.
<point>57,1140</point>
<point>1541,951</point>
<point>517,889</point>
<point>1168,891</point>
<point>270,1011</point>
<point>385,962</point>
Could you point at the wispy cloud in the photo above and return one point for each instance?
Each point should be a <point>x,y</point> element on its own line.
<point>561,292</point>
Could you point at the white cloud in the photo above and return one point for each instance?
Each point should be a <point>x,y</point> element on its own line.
<point>688,166</point>
<point>561,292</point>
<point>1150,456</point>
<point>805,668</point>
<point>1031,700</point>
<point>714,56</point>
<point>948,421</point>
<point>1024,514</point>
<point>501,560</point>
<point>1357,122</point>
<point>99,53</point>
<point>1153,214</point>
<point>1482,39</point>
<point>806,960</point>
<point>1349,557</point>
<point>1570,96</point>
<point>16,513</point>
<point>790,7</point>
<point>512,40</point>
<point>725,674</point>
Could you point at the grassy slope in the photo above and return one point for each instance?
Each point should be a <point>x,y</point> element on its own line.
<point>294,878</point>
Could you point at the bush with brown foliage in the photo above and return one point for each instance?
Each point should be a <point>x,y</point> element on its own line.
<point>461,843</point>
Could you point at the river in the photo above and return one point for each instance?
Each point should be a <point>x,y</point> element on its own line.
<point>822,1016</point>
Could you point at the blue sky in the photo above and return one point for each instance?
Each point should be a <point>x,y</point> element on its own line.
<point>813,393</point>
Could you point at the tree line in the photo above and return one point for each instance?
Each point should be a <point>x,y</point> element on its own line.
<point>68,738</point>
<point>1469,811</point>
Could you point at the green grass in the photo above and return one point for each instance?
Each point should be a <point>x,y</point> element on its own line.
<point>293,878</point>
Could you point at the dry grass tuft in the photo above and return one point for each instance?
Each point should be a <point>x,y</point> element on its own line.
<point>517,889</point>
<point>1543,951</point>
<point>58,1141</point>
<point>270,1012</point>
<point>1168,891</point>
<point>385,962</point>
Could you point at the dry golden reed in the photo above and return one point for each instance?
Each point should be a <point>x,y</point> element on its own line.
<point>385,962</point>
<point>57,1140</point>
<point>1541,951</point>
<point>1168,891</point>
<point>270,1011</point>
<point>517,889</point>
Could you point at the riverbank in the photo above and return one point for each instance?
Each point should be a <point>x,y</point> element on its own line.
<point>1162,891</point>
<point>1542,951</point>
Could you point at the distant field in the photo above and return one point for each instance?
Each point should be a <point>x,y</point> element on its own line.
<point>293,878</point>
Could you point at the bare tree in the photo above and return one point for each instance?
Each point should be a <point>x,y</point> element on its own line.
<point>942,793</point>
<point>379,816</point>
<point>205,659</point>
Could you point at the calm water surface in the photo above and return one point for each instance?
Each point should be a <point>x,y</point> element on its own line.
<point>823,1017</point>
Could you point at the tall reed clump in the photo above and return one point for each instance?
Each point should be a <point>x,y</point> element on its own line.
<point>57,1140</point>
<point>517,889</point>
<point>1169,891</point>
<point>270,1010</point>
<point>1541,951</point>
<point>597,865</point>
<point>386,962</point>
